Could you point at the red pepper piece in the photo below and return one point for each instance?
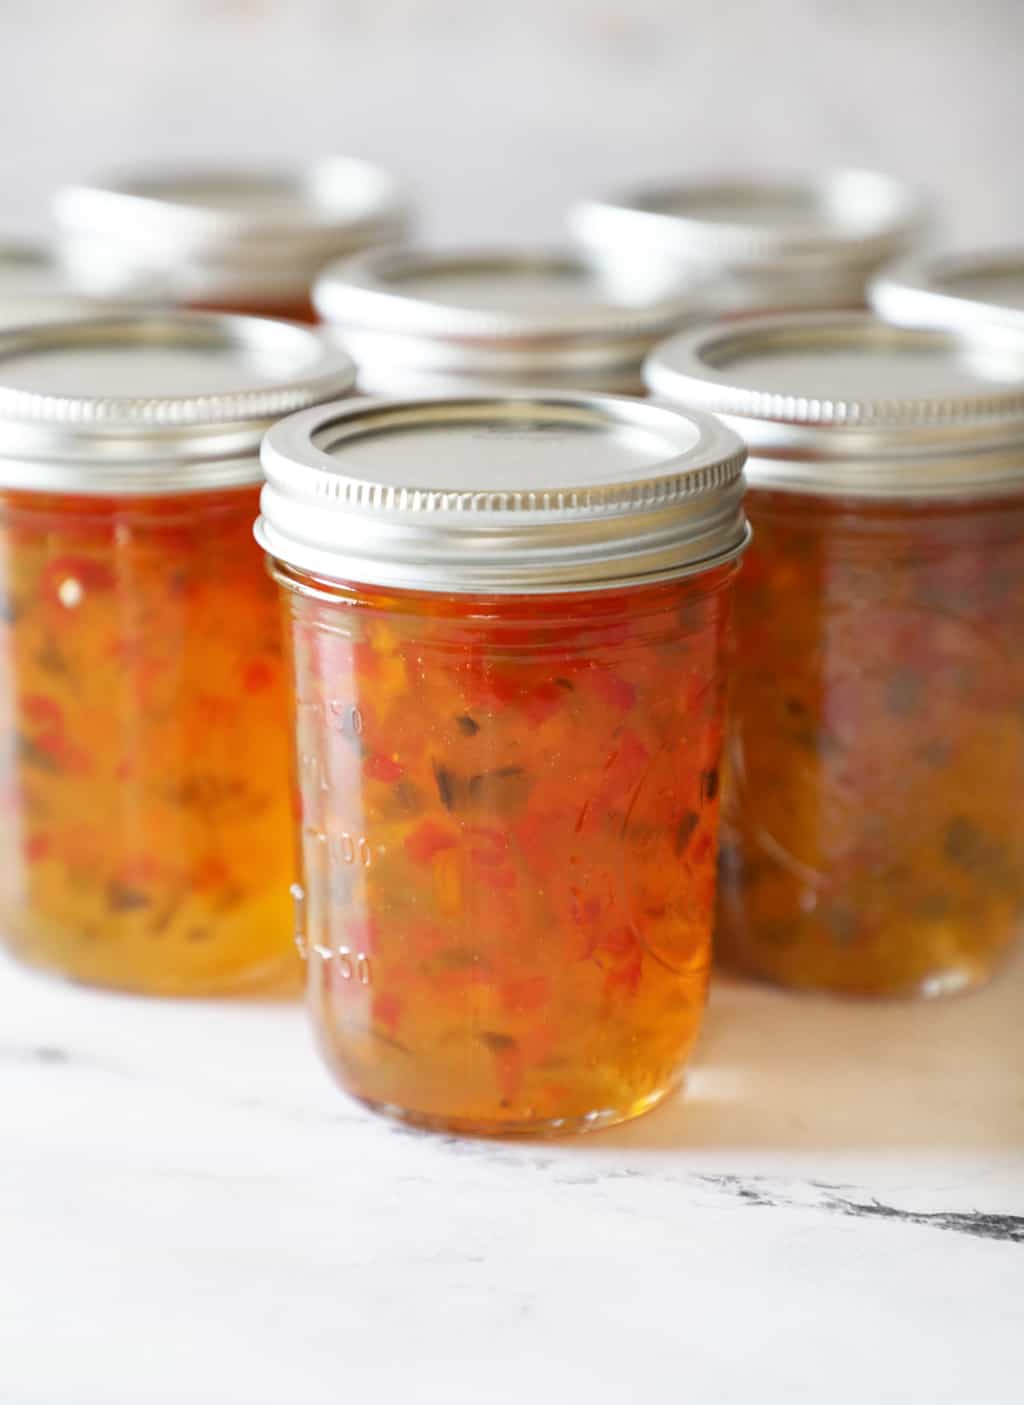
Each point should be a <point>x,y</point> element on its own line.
<point>382,768</point>
<point>90,575</point>
<point>43,711</point>
<point>387,1012</point>
<point>38,847</point>
<point>543,702</point>
<point>613,690</point>
<point>258,675</point>
<point>209,874</point>
<point>426,840</point>
<point>524,997</point>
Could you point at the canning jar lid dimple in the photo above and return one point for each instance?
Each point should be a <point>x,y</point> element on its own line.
<point>149,402</point>
<point>977,289</point>
<point>529,493</point>
<point>853,216</point>
<point>407,311</point>
<point>209,231</point>
<point>847,404</point>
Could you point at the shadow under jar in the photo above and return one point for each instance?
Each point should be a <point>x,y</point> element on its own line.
<point>145,821</point>
<point>873,827</point>
<point>506,619</point>
<point>249,241</point>
<point>438,322</point>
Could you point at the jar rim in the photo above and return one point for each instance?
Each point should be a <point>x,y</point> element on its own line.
<point>153,401</point>
<point>207,230</point>
<point>849,404</point>
<point>533,492</point>
<point>844,216</point>
<point>965,289</point>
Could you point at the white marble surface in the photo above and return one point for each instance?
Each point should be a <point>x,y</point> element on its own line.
<point>190,1212</point>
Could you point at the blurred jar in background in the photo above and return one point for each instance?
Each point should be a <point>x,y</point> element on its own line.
<point>506,618</point>
<point>35,288</point>
<point>961,290</point>
<point>422,322</point>
<point>234,240</point>
<point>873,824</point>
<point>145,820</point>
<point>763,243</point>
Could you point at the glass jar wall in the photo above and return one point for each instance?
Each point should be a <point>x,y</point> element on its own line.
<point>984,288</point>
<point>874,826</point>
<point>145,822</point>
<point>873,839</point>
<point>508,774</point>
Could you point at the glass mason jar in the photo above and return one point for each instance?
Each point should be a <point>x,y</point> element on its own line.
<point>249,241</point>
<point>422,322</point>
<point>980,289</point>
<point>506,622</point>
<point>145,821</point>
<point>757,243</point>
<point>873,829</point>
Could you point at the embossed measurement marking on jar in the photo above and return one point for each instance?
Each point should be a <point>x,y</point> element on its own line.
<point>348,964</point>
<point>346,716</point>
<point>343,847</point>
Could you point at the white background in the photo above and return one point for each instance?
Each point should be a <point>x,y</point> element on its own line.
<point>500,113</point>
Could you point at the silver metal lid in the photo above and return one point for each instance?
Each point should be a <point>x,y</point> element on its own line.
<point>149,403</point>
<point>491,316</point>
<point>522,494</point>
<point>806,239</point>
<point>34,287</point>
<point>843,403</point>
<point>954,290</point>
<point>209,233</point>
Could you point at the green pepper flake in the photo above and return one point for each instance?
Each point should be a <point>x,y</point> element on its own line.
<point>564,683</point>
<point>684,831</point>
<point>841,923</point>
<point>710,783</point>
<point>502,789</point>
<point>447,783</point>
<point>496,1042</point>
<point>903,692</point>
<point>35,755</point>
<point>121,897</point>
<point>968,847</point>
<point>466,725</point>
<point>51,659</point>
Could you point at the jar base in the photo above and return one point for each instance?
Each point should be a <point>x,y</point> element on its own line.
<point>542,1127</point>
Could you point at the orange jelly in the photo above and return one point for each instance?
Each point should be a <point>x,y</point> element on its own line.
<point>508,798</point>
<point>142,742</point>
<point>873,820</point>
<point>145,825</point>
<point>874,831</point>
